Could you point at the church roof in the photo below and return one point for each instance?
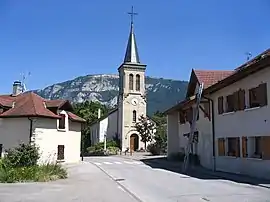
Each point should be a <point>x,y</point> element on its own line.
<point>132,55</point>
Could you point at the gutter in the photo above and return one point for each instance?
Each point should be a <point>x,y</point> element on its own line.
<point>213,131</point>
<point>31,130</point>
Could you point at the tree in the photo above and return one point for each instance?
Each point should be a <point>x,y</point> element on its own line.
<point>161,133</point>
<point>89,111</point>
<point>146,129</point>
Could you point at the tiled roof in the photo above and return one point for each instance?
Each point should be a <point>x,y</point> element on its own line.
<point>74,117</point>
<point>30,104</point>
<point>210,77</point>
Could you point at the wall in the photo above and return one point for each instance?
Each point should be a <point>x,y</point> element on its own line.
<point>47,137</point>
<point>250,122</point>
<point>94,133</point>
<point>14,131</point>
<point>178,142</point>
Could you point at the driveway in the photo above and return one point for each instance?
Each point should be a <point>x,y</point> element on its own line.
<point>86,182</point>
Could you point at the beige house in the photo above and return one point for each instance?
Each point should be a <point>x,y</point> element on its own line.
<point>232,127</point>
<point>120,122</point>
<point>50,124</point>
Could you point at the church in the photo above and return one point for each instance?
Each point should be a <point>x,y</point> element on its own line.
<point>120,122</point>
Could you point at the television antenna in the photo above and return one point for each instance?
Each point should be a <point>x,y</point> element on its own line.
<point>249,55</point>
<point>23,83</point>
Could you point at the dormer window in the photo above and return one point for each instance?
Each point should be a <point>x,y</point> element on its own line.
<point>62,121</point>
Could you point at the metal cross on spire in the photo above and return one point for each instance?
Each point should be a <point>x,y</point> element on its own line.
<point>132,13</point>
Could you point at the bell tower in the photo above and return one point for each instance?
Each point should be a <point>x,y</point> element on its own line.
<point>131,98</point>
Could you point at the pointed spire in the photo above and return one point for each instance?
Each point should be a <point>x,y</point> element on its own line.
<point>132,55</point>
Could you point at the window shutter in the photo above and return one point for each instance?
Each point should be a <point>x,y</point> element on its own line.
<point>220,105</point>
<point>235,100</point>
<point>241,96</point>
<point>221,147</point>
<point>262,94</point>
<point>266,147</point>
<point>244,147</point>
<point>61,152</point>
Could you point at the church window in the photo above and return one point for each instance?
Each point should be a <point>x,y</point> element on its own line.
<point>134,118</point>
<point>131,82</point>
<point>137,82</point>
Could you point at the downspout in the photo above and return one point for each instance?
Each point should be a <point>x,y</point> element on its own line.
<point>213,131</point>
<point>31,130</point>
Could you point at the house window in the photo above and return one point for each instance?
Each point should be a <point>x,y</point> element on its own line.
<point>256,144</point>
<point>230,103</point>
<point>62,121</point>
<point>134,116</point>
<point>233,146</point>
<point>220,105</point>
<point>258,96</point>
<point>130,81</point>
<point>221,146</point>
<point>137,82</point>
<point>61,152</point>
<point>244,147</point>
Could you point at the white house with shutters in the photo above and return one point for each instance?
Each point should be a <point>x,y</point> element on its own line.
<point>25,117</point>
<point>233,124</point>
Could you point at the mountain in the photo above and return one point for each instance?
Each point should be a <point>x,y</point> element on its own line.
<point>161,93</point>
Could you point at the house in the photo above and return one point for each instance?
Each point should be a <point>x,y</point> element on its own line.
<point>131,104</point>
<point>233,130</point>
<point>50,124</point>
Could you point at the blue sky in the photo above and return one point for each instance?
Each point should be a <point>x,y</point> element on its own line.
<point>60,40</point>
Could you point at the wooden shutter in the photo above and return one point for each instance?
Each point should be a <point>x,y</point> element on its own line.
<point>61,152</point>
<point>241,101</point>
<point>62,121</point>
<point>244,147</point>
<point>262,94</point>
<point>266,147</point>
<point>237,147</point>
<point>221,147</point>
<point>220,105</point>
<point>235,100</point>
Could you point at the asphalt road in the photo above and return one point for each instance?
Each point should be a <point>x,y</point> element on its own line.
<point>159,185</point>
<point>86,183</point>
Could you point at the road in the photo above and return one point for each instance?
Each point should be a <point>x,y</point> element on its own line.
<point>148,184</point>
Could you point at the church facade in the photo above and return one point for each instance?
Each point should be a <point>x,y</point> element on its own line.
<point>120,123</point>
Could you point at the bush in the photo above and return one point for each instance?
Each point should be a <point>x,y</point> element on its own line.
<point>20,165</point>
<point>154,149</point>
<point>23,155</point>
<point>98,149</point>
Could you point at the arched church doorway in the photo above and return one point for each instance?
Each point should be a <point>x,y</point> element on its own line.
<point>134,142</point>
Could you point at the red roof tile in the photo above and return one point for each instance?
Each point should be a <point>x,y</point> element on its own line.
<point>27,104</point>
<point>210,77</point>
<point>74,117</point>
<point>30,104</point>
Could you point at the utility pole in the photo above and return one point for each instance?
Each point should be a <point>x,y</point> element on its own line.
<point>192,127</point>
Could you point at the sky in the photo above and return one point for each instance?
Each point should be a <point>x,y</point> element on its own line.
<point>60,40</point>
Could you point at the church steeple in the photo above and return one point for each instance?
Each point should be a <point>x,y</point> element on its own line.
<point>132,55</point>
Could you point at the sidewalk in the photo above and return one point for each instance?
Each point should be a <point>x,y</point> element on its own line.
<point>195,171</point>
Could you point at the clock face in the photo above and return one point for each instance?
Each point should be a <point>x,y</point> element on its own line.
<point>134,101</point>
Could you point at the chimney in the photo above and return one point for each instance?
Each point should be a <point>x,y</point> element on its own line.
<point>99,113</point>
<point>17,88</point>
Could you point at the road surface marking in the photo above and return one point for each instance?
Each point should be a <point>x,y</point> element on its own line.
<point>98,164</point>
<point>137,162</point>
<point>128,162</point>
<point>116,162</point>
<point>108,163</point>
